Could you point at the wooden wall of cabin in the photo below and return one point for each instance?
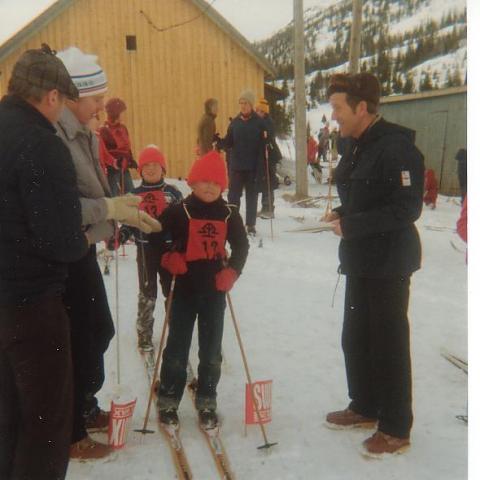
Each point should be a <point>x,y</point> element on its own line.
<point>167,79</point>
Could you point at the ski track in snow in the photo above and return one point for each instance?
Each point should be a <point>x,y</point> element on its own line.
<point>292,335</point>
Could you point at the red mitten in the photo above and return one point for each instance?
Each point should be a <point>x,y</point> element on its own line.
<point>174,262</point>
<point>225,279</point>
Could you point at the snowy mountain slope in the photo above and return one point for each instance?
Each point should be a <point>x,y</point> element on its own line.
<point>292,335</point>
<point>398,36</point>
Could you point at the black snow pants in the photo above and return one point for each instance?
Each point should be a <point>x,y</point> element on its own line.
<point>35,391</point>
<point>92,329</point>
<point>210,310</point>
<point>376,345</point>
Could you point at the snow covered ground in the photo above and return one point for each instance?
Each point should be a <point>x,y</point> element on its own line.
<point>291,332</point>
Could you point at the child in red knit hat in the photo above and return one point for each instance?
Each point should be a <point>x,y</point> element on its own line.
<point>157,196</point>
<point>200,227</point>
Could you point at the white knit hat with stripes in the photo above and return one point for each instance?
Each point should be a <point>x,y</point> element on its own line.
<point>86,73</point>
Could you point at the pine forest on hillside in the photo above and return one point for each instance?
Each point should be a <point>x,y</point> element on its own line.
<point>411,45</point>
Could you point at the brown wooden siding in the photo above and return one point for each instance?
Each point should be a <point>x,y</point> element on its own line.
<point>167,79</point>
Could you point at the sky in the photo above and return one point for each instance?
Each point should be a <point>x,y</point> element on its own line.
<point>255,19</point>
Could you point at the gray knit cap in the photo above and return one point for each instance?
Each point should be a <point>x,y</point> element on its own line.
<point>249,96</point>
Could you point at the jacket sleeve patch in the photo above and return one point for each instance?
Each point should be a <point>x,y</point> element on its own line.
<point>406,181</point>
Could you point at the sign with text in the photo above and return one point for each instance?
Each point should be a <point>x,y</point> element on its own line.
<point>120,418</point>
<point>262,392</point>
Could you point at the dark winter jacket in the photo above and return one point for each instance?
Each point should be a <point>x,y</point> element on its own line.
<point>246,139</point>
<point>200,277</point>
<point>380,184</point>
<point>40,214</point>
<point>274,156</point>
<point>207,128</point>
<point>162,239</point>
<point>461,157</point>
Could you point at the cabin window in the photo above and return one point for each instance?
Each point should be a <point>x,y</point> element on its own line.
<point>131,41</point>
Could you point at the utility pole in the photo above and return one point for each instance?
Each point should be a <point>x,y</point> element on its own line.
<point>300,103</point>
<point>355,36</point>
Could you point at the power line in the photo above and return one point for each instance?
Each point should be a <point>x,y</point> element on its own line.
<point>176,25</point>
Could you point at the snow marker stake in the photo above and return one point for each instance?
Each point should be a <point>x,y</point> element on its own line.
<point>267,444</point>
<point>144,430</point>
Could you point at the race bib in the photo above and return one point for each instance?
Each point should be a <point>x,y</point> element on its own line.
<point>154,203</point>
<point>206,239</point>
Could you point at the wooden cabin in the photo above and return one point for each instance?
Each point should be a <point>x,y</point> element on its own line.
<point>163,58</point>
<point>439,118</point>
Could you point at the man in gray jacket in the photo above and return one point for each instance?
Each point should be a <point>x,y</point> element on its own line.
<point>85,296</point>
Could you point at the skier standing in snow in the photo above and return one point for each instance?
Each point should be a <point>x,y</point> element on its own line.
<point>200,227</point>
<point>245,138</point>
<point>461,158</point>
<point>117,140</point>
<point>313,160</point>
<point>85,297</point>
<point>157,196</point>
<point>40,232</point>
<point>207,129</point>
<point>273,156</point>
<point>380,184</point>
<point>431,189</point>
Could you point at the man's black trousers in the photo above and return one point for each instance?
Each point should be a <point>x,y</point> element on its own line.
<point>376,345</point>
<point>92,329</point>
<point>240,179</point>
<point>35,391</point>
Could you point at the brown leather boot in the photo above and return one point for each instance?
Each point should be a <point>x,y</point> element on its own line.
<point>99,422</point>
<point>380,443</point>
<point>89,449</point>
<point>347,419</point>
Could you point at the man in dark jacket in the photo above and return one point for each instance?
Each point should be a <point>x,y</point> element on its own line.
<point>40,232</point>
<point>246,139</point>
<point>380,184</point>
<point>272,157</point>
<point>461,158</point>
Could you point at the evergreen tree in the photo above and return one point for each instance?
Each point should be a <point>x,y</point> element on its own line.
<point>426,82</point>
<point>409,86</point>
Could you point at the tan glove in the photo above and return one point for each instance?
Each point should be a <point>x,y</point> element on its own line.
<point>125,210</point>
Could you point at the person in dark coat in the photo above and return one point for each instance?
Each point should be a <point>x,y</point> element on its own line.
<point>272,158</point>
<point>461,158</point>
<point>40,233</point>
<point>246,140</point>
<point>200,227</point>
<point>207,129</point>
<point>380,185</point>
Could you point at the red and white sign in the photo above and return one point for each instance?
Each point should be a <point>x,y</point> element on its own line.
<point>120,418</point>
<point>262,392</point>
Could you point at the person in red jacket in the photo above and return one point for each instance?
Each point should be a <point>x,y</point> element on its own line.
<point>106,159</point>
<point>200,227</point>
<point>462,223</point>
<point>313,160</point>
<point>431,189</point>
<point>117,140</point>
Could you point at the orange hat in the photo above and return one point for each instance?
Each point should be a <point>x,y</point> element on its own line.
<point>151,154</point>
<point>210,167</point>
<point>263,105</point>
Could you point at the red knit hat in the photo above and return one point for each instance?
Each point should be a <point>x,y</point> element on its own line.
<point>114,107</point>
<point>151,154</point>
<point>211,167</point>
